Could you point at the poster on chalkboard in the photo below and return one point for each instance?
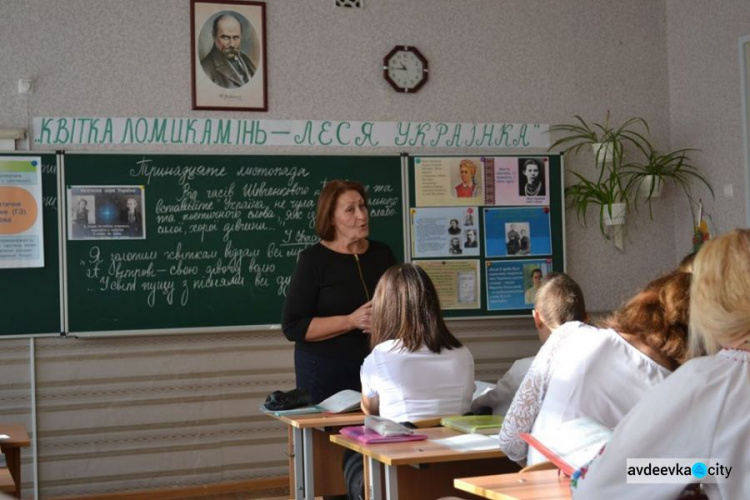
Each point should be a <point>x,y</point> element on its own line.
<point>456,281</point>
<point>513,284</point>
<point>106,213</point>
<point>21,236</point>
<point>444,232</point>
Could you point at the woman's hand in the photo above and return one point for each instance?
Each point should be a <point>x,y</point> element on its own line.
<point>362,318</point>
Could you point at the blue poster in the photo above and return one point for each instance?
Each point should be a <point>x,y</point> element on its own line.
<point>515,232</point>
<point>512,284</point>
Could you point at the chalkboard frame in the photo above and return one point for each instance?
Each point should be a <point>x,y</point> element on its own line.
<point>40,316</point>
<point>395,172</point>
<point>556,185</point>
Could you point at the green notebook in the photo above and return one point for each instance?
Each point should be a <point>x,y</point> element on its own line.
<point>477,424</point>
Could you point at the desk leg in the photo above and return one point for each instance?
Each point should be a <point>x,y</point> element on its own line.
<point>13,457</point>
<point>307,448</point>
<point>391,482</point>
<point>374,466</point>
<point>299,465</point>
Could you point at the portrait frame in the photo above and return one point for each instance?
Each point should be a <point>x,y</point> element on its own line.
<point>218,83</point>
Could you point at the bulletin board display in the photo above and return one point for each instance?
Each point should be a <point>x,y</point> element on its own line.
<point>486,229</point>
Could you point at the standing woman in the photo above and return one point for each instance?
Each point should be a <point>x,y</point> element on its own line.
<point>327,307</point>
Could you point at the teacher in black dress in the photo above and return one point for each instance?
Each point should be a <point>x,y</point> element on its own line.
<point>328,302</point>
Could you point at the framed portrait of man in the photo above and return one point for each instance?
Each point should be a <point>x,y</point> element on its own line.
<point>228,55</point>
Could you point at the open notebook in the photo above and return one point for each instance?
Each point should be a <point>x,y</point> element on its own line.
<point>571,445</point>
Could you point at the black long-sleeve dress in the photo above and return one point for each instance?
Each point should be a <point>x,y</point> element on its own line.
<point>327,283</point>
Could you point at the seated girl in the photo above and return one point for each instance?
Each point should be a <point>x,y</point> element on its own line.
<point>417,368</point>
<point>601,373</point>
<point>701,411</point>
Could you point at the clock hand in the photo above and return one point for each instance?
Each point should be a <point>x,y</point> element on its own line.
<point>402,68</point>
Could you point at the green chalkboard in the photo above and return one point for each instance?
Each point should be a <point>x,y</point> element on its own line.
<point>491,277</point>
<point>222,234</point>
<point>30,298</point>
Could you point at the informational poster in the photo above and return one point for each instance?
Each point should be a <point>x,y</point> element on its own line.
<point>21,224</point>
<point>513,232</point>
<point>512,284</point>
<point>106,213</point>
<point>445,232</point>
<point>449,182</point>
<point>456,281</point>
<point>517,181</point>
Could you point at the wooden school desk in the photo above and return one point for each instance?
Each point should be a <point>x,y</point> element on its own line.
<point>11,447</point>
<point>315,464</point>
<point>532,485</point>
<point>7,485</point>
<point>422,469</point>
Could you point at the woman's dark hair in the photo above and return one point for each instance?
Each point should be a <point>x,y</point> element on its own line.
<point>327,200</point>
<point>406,307</point>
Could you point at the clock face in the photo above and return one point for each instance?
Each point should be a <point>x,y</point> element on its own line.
<point>405,69</point>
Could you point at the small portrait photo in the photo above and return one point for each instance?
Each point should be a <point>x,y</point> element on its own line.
<point>525,241</point>
<point>471,239</point>
<point>531,177</point>
<point>130,216</point>
<point>513,237</point>
<point>469,217</point>
<point>83,215</point>
<point>229,55</point>
<point>468,177</point>
<point>532,281</point>
<point>455,247</point>
<point>454,228</point>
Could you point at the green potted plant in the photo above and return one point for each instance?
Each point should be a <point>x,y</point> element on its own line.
<point>611,197</point>
<point>607,143</point>
<point>611,190</point>
<point>648,178</point>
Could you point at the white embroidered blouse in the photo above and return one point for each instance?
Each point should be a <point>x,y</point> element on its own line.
<point>700,412</point>
<point>581,371</point>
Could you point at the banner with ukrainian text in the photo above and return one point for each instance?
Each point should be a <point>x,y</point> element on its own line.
<point>61,131</point>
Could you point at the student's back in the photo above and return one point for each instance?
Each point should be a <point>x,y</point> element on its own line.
<point>700,412</point>
<point>595,373</point>
<point>559,300</point>
<point>418,384</point>
<point>601,373</point>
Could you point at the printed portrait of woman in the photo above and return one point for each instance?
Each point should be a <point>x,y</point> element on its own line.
<point>530,177</point>
<point>469,186</point>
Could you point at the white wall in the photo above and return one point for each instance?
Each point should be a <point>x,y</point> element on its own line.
<point>705,103</point>
<point>490,61</point>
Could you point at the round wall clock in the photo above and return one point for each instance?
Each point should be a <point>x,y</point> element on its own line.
<point>405,68</point>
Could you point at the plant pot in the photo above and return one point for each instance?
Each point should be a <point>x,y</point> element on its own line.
<point>645,189</point>
<point>618,215</point>
<point>603,152</point>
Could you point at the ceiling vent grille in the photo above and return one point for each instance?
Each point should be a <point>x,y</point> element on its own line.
<point>352,4</point>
